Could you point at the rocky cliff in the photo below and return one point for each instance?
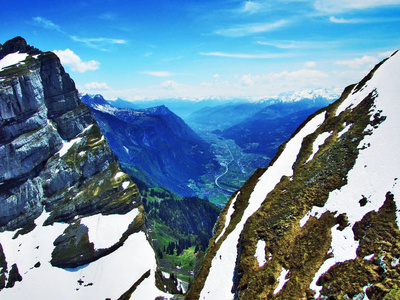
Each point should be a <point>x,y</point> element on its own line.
<point>69,217</point>
<point>322,221</point>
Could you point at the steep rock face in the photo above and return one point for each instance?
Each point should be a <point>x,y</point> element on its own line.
<point>40,112</point>
<point>64,202</point>
<point>322,221</point>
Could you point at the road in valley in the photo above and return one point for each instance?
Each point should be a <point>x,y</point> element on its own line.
<point>226,164</point>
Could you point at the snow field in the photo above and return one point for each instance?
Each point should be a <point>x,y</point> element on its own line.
<point>12,59</point>
<point>375,171</point>
<point>108,277</point>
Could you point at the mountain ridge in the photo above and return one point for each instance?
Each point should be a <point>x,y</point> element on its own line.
<point>321,221</point>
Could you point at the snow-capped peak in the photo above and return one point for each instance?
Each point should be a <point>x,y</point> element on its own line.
<point>325,93</point>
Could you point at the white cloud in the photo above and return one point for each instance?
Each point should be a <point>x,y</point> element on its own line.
<point>98,43</point>
<point>169,85</point>
<point>249,80</point>
<point>251,7</point>
<point>303,74</point>
<point>310,64</point>
<point>285,45</point>
<point>244,55</point>
<point>250,29</point>
<point>345,21</point>
<point>345,5</point>
<point>366,60</point>
<point>70,59</point>
<point>99,86</point>
<point>158,73</point>
<point>47,24</point>
<point>386,54</point>
<point>300,79</point>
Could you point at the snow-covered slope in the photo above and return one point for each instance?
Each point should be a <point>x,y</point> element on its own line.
<point>325,212</point>
<point>109,277</point>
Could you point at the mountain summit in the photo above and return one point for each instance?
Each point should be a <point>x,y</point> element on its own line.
<point>71,222</point>
<point>322,221</point>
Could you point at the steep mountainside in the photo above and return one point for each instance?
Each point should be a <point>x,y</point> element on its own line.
<point>322,221</point>
<point>156,142</point>
<point>71,222</point>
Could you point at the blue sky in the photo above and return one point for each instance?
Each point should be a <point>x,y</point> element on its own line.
<point>198,49</point>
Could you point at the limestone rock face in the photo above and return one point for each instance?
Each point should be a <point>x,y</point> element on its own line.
<point>49,142</point>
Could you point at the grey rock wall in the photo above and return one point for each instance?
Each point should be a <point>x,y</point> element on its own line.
<point>40,112</point>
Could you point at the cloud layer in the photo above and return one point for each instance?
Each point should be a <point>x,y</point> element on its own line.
<point>70,59</point>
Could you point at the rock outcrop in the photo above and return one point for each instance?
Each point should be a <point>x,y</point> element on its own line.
<point>41,114</point>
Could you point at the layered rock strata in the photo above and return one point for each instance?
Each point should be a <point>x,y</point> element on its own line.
<point>64,201</point>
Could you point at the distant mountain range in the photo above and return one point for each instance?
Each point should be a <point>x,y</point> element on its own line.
<point>264,131</point>
<point>184,107</point>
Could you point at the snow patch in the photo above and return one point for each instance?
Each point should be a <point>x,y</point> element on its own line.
<point>365,288</point>
<point>369,257</point>
<point>319,141</point>
<point>228,217</point>
<point>105,108</point>
<point>305,219</point>
<point>12,59</point>
<point>344,130</point>
<point>105,231</point>
<point>260,253</point>
<point>67,145</point>
<point>395,262</point>
<point>118,175</point>
<point>281,280</point>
